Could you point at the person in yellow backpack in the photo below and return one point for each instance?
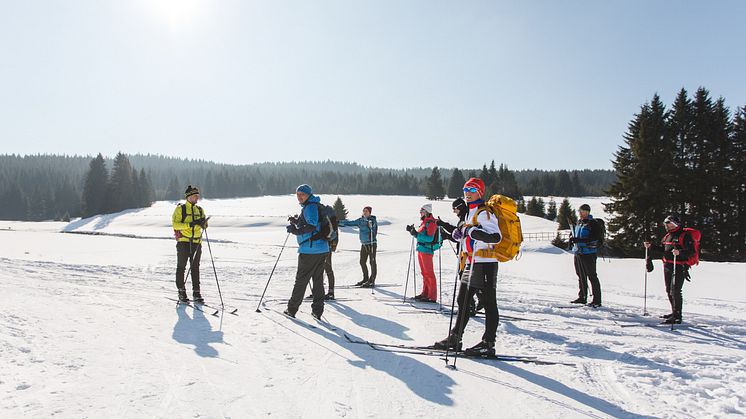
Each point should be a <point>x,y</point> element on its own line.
<point>480,273</point>
<point>188,220</point>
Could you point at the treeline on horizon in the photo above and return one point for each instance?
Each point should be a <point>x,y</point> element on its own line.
<point>51,187</point>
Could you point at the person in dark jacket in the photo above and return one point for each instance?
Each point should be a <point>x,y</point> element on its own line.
<point>368,226</point>
<point>312,252</point>
<point>188,221</point>
<point>584,242</point>
<point>461,210</point>
<point>674,251</point>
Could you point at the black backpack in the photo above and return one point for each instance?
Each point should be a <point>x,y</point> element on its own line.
<point>600,227</point>
<point>199,212</point>
<point>328,223</point>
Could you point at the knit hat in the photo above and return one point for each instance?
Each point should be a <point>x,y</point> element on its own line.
<point>458,203</point>
<point>673,220</point>
<point>428,208</point>
<point>475,182</point>
<point>585,207</point>
<point>306,189</point>
<point>369,208</point>
<point>190,190</point>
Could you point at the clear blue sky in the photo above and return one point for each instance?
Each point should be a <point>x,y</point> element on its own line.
<point>546,84</point>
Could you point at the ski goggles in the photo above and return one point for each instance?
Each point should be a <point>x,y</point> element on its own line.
<point>471,189</point>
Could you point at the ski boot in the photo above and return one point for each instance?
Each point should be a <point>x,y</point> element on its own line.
<point>329,296</point>
<point>579,301</point>
<point>183,297</point>
<point>482,349</point>
<point>197,298</point>
<point>451,343</point>
<point>288,313</point>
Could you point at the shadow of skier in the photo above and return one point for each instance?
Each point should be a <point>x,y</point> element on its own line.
<point>196,331</point>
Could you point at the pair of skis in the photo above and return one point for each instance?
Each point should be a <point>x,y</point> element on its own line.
<point>206,308</point>
<point>431,351</point>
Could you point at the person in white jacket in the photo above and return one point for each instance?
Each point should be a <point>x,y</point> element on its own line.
<point>478,235</point>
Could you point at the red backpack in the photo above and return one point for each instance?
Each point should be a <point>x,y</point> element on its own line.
<point>696,235</point>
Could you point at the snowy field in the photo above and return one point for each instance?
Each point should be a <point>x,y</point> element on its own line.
<point>87,331</point>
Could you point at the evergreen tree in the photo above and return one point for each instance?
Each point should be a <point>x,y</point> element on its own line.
<point>564,185</point>
<point>535,207</point>
<point>435,189</point>
<point>121,188</point>
<point>637,206</point>
<point>566,215</point>
<point>552,210</point>
<point>456,184</point>
<point>174,190</point>
<point>340,210</point>
<point>95,187</point>
<point>145,192</point>
<point>508,184</point>
<point>739,186</point>
<point>521,204</point>
<point>13,204</point>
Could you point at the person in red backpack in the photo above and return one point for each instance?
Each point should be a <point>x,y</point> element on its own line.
<point>679,253</point>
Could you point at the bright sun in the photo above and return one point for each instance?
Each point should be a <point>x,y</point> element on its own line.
<point>177,13</point>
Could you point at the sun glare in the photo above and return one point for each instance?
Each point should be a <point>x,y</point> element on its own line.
<point>177,14</point>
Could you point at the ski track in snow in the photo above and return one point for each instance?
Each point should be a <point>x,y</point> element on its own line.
<point>91,335</point>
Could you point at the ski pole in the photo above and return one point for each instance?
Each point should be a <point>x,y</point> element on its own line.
<point>673,296</point>
<point>645,294</point>
<point>453,299</point>
<point>440,281</point>
<point>271,273</point>
<point>414,271</point>
<point>207,239</point>
<point>463,309</point>
<point>409,265</point>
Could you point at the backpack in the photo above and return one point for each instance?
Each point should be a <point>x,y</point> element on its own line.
<point>510,228</point>
<point>177,233</point>
<point>328,224</point>
<point>696,236</point>
<point>437,241</point>
<point>601,232</point>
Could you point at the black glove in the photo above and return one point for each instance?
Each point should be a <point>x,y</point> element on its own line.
<point>292,229</point>
<point>649,265</point>
<point>572,240</point>
<point>410,228</point>
<point>198,222</point>
<point>440,222</point>
<point>293,219</point>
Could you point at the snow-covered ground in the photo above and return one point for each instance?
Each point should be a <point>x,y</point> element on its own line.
<point>86,330</point>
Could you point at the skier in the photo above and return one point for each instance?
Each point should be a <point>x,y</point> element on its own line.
<point>368,226</point>
<point>584,242</point>
<point>461,210</point>
<point>480,273</point>
<point>684,255</point>
<point>188,220</point>
<point>312,252</point>
<point>427,243</point>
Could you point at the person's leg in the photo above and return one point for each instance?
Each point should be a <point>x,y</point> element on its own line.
<point>465,294</point>
<point>182,257</point>
<point>302,275</point>
<point>329,272</point>
<point>489,298</point>
<point>317,274</point>
<point>589,264</point>
<point>582,282</point>
<point>667,274</point>
<point>421,263</point>
<point>197,249</point>
<point>364,263</point>
<point>429,287</point>
<point>373,264</point>
<point>677,294</point>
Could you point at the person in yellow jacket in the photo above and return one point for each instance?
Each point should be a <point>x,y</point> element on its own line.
<point>188,221</point>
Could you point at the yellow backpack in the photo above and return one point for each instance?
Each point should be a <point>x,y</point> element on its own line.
<point>510,228</point>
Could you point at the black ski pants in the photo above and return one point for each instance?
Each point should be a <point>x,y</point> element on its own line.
<point>484,278</point>
<point>368,251</point>
<point>585,268</point>
<point>675,295</point>
<point>310,267</point>
<point>329,271</point>
<point>192,253</point>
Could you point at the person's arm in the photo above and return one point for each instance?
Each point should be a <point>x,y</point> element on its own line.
<point>350,223</point>
<point>311,215</point>
<point>176,220</point>
<point>488,231</point>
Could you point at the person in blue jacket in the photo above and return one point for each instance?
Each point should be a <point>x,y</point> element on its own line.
<point>312,252</point>
<point>368,226</point>
<point>584,242</point>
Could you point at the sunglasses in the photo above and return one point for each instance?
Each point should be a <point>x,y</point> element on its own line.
<point>472,190</point>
